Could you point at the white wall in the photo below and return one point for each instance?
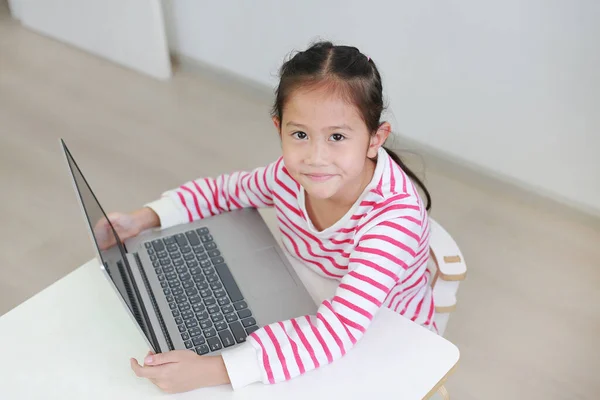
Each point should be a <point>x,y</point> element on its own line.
<point>128,32</point>
<point>512,87</point>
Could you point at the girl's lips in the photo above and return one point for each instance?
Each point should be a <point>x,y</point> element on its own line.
<point>319,177</point>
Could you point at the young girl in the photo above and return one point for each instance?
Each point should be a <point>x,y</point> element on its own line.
<point>347,209</point>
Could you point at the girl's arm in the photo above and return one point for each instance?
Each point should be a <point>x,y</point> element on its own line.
<point>284,350</point>
<point>210,196</point>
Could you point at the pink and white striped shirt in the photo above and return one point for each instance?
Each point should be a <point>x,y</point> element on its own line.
<point>378,251</point>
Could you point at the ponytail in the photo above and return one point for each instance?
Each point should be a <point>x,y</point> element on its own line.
<point>411,175</point>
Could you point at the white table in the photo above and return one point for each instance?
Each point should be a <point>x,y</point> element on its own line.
<point>73,340</point>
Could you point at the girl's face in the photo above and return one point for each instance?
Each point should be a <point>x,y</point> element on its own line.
<point>327,146</point>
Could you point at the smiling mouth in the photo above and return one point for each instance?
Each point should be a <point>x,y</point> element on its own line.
<point>319,177</point>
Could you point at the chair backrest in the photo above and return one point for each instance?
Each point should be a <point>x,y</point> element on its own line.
<point>448,269</point>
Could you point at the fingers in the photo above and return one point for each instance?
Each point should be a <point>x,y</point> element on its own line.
<point>144,372</point>
<point>163,358</point>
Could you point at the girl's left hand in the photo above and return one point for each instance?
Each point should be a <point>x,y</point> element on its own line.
<point>182,370</point>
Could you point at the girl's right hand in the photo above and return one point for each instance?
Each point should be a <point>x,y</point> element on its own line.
<point>126,226</point>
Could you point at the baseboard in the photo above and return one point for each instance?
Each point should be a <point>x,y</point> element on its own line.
<point>432,157</point>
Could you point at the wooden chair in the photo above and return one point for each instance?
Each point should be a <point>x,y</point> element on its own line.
<point>448,269</point>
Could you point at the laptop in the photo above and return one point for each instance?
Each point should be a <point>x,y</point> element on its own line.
<point>203,286</point>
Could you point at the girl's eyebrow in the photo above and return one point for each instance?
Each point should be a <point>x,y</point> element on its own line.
<point>334,127</point>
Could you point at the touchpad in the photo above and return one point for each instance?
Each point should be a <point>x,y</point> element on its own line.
<point>263,274</point>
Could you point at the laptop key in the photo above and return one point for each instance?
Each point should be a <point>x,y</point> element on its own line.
<point>231,317</point>
<point>202,350</point>
<point>215,344</point>
<point>209,301</point>
<point>188,344</point>
<point>195,299</point>
<point>191,291</point>
<point>165,261</point>
<point>209,271</point>
<point>229,282</point>
<point>217,317</point>
<point>238,331</point>
<point>216,286</point>
<point>214,253</point>
<point>195,331</point>
<point>162,254</point>
<point>184,306</point>
<point>185,336</point>
<point>164,284</point>
<point>172,306</point>
<point>198,340</point>
<point>177,291</point>
<point>221,325</point>
<point>241,305</point>
<point>210,332</point>
<point>175,312</point>
<point>223,301</point>
<point>248,321</point>
<point>153,257</point>
<point>206,238</point>
<point>201,257</point>
<point>174,283</point>
<point>207,323</point>
<point>205,263</point>
<point>148,245</point>
<point>228,309</point>
<point>251,329</point>
<point>191,263</point>
<point>181,240</point>
<point>202,285</point>
<point>202,231</point>
<point>179,262</point>
<point>169,240</point>
<point>226,338</point>
<point>172,247</point>
<point>158,245</point>
<point>168,268</point>
<point>181,328</point>
<point>181,298</point>
<point>175,255</point>
<point>245,313</point>
<point>205,293</point>
<point>189,257</point>
<point>192,238</point>
<point>210,246</point>
<point>214,278</point>
<point>218,260</point>
<point>185,276</point>
<point>196,271</point>
<point>198,308</point>
<point>167,291</point>
<point>202,316</point>
<point>156,264</point>
<point>220,293</point>
<point>185,249</point>
<point>171,275</point>
<point>213,309</point>
<point>170,298</point>
<point>192,322</point>
<point>187,314</point>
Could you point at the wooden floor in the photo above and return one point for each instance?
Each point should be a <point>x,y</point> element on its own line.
<point>528,319</point>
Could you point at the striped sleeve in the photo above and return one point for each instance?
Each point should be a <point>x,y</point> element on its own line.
<point>206,197</point>
<point>291,348</point>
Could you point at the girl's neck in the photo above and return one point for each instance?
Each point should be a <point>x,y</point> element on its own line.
<point>326,212</point>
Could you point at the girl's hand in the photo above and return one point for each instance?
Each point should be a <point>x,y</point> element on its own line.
<point>126,226</point>
<point>182,370</point>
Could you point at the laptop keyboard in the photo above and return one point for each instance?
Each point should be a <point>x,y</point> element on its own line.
<point>204,299</point>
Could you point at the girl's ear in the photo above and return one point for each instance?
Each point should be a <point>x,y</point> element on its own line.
<point>378,139</point>
<point>277,124</point>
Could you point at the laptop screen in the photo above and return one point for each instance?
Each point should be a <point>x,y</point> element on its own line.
<point>113,257</point>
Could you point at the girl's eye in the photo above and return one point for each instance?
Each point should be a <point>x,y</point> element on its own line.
<point>300,135</point>
<point>337,137</point>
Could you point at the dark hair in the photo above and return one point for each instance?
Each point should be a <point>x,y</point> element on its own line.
<point>346,70</point>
